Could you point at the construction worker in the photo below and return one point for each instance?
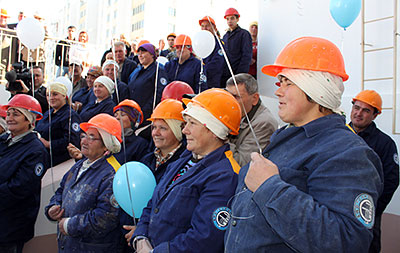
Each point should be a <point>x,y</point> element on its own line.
<point>367,105</point>
<point>170,52</point>
<point>316,185</point>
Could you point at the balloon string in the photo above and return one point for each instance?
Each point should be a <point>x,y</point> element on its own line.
<point>179,58</point>
<point>155,85</point>
<point>342,41</point>
<point>236,86</point>
<point>50,148</point>
<point>201,74</point>
<point>33,81</point>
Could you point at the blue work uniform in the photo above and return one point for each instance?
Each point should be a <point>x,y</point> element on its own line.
<point>89,204</point>
<point>23,165</point>
<point>127,68</point>
<point>322,200</point>
<point>214,65</point>
<point>60,133</point>
<point>186,216</point>
<point>141,88</point>
<point>188,72</point>
<point>239,49</point>
<point>84,96</point>
<point>136,148</point>
<point>386,149</point>
<point>123,92</point>
<point>94,108</point>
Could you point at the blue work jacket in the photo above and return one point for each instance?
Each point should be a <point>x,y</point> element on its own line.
<point>214,65</point>
<point>142,85</point>
<point>94,108</point>
<point>85,96</point>
<point>322,200</point>
<point>60,133</point>
<point>123,92</point>
<point>127,68</point>
<point>239,47</point>
<point>136,148</point>
<point>182,217</point>
<point>88,202</point>
<point>23,165</point>
<point>188,72</point>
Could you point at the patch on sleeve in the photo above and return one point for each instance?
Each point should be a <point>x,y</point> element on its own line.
<point>39,168</point>
<point>396,158</point>
<point>221,217</point>
<point>113,201</point>
<point>163,81</point>
<point>203,78</point>
<point>220,52</point>
<point>75,127</point>
<point>364,210</point>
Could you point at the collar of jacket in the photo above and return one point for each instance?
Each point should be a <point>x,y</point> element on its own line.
<point>252,112</point>
<point>319,125</point>
<point>367,131</point>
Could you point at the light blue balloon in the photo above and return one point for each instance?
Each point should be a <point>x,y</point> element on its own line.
<point>141,185</point>
<point>344,12</point>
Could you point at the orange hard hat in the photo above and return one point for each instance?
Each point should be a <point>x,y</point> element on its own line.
<point>171,35</point>
<point>176,90</point>
<point>168,109</point>
<point>27,102</point>
<point>3,13</point>
<point>183,40</point>
<point>222,105</point>
<point>3,112</point>
<point>230,12</point>
<point>207,18</point>
<point>132,104</point>
<point>105,122</point>
<point>141,43</point>
<point>309,53</point>
<point>370,97</point>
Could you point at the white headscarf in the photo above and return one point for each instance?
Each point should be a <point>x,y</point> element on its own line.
<point>176,127</point>
<point>110,141</point>
<point>108,62</point>
<point>107,82</point>
<point>324,88</point>
<point>205,117</point>
<point>30,116</point>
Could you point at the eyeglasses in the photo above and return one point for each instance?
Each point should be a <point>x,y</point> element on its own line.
<point>90,138</point>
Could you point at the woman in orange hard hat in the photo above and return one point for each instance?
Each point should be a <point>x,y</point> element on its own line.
<point>188,211</point>
<point>315,187</point>
<point>83,205</point>
<point>186,67</point>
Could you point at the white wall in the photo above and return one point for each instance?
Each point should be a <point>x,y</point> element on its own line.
<point>281,21</point>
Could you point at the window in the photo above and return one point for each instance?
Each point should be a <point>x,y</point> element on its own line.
<point>138,9</point>
<point>115,14</point>
<point>108,17</point>
<point>171,11</point>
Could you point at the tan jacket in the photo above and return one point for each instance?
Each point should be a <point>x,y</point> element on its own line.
<point>264,125</point>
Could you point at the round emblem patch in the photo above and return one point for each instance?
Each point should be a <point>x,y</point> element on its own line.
<point>163,81</point>
<point>203,78</point>
<point>221,218</point>
<point>396,158</point>
<point>39,168</point>
<point>220,52</point>
<point>364,210</point>
<point>75,127</point>
<point>113,201</point>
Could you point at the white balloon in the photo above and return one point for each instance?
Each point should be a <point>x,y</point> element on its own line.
<point>66,82</point>
<point>203,43</point>
<point>162,60</point>
<point>30,32</point>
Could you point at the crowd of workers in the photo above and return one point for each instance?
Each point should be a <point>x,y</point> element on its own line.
<point>227,177</point>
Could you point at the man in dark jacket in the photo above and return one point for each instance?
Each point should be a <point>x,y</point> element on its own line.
<point>366,106</point>
<point>62,52</point>
<point>126,66</point>
<point>239,46</point>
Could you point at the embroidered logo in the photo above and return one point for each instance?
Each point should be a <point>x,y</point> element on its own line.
<point>221,218</point>
<point>396,158</point>
<point>203,78</point>
<point>163,81</point>
<point>364,210</point>
<point>39,168</point>
<point>220,52</point>
<point>75,127</point>
<point>113,201</point>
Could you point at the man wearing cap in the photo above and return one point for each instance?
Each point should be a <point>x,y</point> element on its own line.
<point>367,105</point>
<point>125,65</point>
<point>315,187</point>
<point>142,83</point>
<point>62,52</point>
<point>171,49</point>
<point>214,63</point>
<point>75,71</point>
<point>261,119</point>
<point>238,44</point>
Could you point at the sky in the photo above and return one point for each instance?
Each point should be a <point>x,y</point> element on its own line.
<point>29,7</point>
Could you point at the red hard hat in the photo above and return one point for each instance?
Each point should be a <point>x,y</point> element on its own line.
<point>27,102</point>
<point>3,112</point>
<point>230,12</point>
<point>176,90</point>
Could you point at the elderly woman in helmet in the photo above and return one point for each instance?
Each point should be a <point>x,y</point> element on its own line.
<point>186,67</point>
<point>103,88</point>
<point>129,114</point>
<point>60,124</point>
<point>316,185</point>
<point>24,161</point>
<point>83,205</point>
<point>188,211</point>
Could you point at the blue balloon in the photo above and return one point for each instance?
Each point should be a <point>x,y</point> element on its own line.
<point>344,12</point>
<point>141,185</point>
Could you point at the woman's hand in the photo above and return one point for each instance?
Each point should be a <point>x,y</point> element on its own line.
<point>74,152</point>
<point>128,236</point>
<point>55,212</point>
<point>45,143</point>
